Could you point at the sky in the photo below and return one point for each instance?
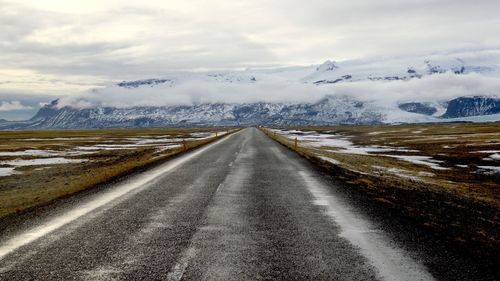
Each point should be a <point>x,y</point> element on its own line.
<point>55,48</point>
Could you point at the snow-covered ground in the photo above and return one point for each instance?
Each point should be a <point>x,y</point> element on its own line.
<point>340,144</point>
<point>475,119</point>
<point>41,161</point>
<point>7,171</point>
<point>337,144</point>
<point>402,173</point>
<point>489,169</point>
<point>31,152</point>
<point>493,157</point>
<point>420,160</point>
<point>39,157</point>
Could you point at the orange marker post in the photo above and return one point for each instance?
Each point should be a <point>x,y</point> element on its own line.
<point>184,145</point>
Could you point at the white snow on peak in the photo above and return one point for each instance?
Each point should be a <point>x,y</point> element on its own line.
<point>380,85</point>
<point>327,66</point>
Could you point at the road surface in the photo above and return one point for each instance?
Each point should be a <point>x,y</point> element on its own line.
<point>242,208</point>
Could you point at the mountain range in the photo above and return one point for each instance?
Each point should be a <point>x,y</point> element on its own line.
<point>395,90</point>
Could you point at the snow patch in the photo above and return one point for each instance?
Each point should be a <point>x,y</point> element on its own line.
<point>342,143</point>
<point>495,156</point>
<point>420,160</point>
<point>30,152</point>
<point>41,161</point>
<point>328,159</point>
<point>402,173</point>
<point>7,171</point>
<point>489,169</point>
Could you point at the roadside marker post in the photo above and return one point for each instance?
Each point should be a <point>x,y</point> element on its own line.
<point>184,145</point>
<point>295,143</point>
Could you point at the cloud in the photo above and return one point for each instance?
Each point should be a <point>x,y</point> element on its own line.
<point>436,88</point>
<point>30,102</point>
<point>122,40</point>
<point>13,105</point>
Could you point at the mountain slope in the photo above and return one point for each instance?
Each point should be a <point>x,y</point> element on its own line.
<point>472,106</point>
<point>330,110</point>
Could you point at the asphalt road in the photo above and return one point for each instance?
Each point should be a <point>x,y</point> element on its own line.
<point>243,208</point>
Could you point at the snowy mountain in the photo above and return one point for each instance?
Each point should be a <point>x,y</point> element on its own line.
<point>385,90</point>
<point>418,107</point>
<point>331,110</point>
<point>328,111</point>
<point>472,106</point>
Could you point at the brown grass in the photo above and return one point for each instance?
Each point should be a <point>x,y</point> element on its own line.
<point>38,185</point>
<point>460,203</point>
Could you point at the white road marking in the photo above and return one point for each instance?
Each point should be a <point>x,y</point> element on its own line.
<point>219,187</point>
<point>106,197</point>
<point>180,267</point>
<point>233,181</point>
<point>391,263</point>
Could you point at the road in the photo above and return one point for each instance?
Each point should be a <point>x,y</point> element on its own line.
<point>242,208</point>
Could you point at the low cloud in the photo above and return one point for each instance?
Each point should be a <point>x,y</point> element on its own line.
<point>437,88</point>
<point>434,88</point>
<point>13,106</point>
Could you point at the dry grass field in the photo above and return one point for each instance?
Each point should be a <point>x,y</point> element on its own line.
<point>445,177</point>
<point>39,166</point>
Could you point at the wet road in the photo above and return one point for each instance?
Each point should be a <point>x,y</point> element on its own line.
<point>243,208</point>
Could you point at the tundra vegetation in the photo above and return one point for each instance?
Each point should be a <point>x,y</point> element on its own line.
<point>443,177</point>
<point>37,167</point>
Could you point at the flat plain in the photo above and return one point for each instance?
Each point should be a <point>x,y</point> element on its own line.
<point>445,177</point>
<point>39,166</point>
<point>247,208</point>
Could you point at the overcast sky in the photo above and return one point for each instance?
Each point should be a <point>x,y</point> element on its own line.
<point>60,47</point>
